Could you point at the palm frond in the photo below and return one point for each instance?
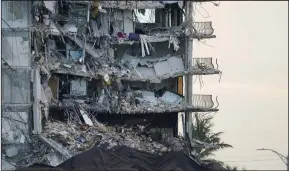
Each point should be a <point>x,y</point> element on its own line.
<point>202,131</point>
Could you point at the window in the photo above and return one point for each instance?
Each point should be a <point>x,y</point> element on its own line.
<point>15,46</point>
<point>15,14</point>
<point>16,86</point>
<point>145,15</point>
<point>14,10</point>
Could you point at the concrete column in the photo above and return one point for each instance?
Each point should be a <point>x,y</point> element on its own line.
<point>188,78</point>
<point>37,116</point>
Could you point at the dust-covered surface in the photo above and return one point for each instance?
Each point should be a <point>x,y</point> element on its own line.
<point>69,55</point>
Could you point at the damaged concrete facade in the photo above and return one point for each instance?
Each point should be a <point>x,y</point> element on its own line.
<point>91,72</point>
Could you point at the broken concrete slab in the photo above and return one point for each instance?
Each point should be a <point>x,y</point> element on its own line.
<point>70,28</point>
<point>11,152</point>
<point>85,117</point>
<point>56,146</point>
<point>132,4</point>
<point>169,97</point>
<point>176,64</point>
<point>50,5</point>
<point>162,68</point>
<point>144,72</point>
<point>54,159</point>
<point>147,96</point>
<point>5,165</point>
<point>78,87</point>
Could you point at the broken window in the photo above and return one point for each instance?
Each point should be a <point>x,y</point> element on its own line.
<point>53,83</point>
<point>14,10</point>
<point>16,86</point>
<point>170,16</point>
<point>60,46</point>
<point>15,14</point>
<point>165,85</point>
<point>64,87</point>
<point>78,13</point>
<point>78,87</point>
<point>15,46</point>
<point>118,25</point>
<point>73,52</point>
<point>145,15</point>
<point>94,88</point>
<point>71,86</point>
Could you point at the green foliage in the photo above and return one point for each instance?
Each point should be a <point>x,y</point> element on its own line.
<point>231,168</point>
<point>202,131</point>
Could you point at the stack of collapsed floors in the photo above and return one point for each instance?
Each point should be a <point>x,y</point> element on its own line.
<point>95,62</point>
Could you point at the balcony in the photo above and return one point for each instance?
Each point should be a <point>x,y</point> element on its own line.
<point>203,30</point>
<point>203,101</point>
<point>204,66</point>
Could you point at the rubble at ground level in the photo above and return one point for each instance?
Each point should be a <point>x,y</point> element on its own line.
<point>77,139</point>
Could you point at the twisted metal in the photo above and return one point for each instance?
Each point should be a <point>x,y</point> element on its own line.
<point>205,62</point>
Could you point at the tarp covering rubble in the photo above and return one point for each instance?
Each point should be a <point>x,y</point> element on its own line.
<point>102,147</point>
<point>125,158</point>
<point>76,138</point>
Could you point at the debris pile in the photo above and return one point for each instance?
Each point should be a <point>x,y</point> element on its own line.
<point>138,102</point>
<point>76,139</point>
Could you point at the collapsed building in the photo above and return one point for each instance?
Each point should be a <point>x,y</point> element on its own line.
<point>79,72</point>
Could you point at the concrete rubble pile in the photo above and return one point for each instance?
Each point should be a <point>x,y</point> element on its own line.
<point>102,61</point>
<point>19,156</point>
<point>152,70</point>
<point>91,58</point>
<point>77,139</point>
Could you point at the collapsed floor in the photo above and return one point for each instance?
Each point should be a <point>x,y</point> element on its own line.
<point>61,46</point>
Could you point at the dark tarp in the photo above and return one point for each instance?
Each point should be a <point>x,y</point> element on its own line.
<point>125,158</point>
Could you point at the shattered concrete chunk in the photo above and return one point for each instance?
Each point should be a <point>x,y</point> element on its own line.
<point>70,28</point>
<point>171,98</point>
<point>50,5</point>
<point>104,135</point>
<point>22,139</point>
<point>6,165</point>
<point>54,159</point>
<point>11,152</point>
<point>86,119</point>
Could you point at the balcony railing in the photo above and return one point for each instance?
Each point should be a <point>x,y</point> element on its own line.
<point>203,101</point>
<point>204,63</point>
<point>203,28</point>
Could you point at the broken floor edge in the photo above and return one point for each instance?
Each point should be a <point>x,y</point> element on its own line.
<point>10,107</point>
<point>167,110</point>
<point>54,145</point>
<point>113,4</point>
<point>149,79</point>
<point>129,42</point>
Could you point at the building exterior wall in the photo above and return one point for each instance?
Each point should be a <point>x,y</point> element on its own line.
<point>16,80</point>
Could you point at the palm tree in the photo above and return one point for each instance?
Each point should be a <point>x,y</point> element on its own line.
<point>234,168</point>
<point>202,131</point>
